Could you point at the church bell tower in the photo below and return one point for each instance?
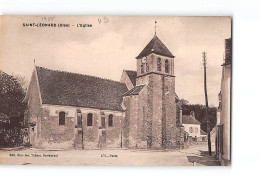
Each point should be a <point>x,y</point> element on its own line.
<point>155,70</point>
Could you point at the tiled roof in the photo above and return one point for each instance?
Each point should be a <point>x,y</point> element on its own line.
<point>134,91</point>
<point>132,76</point>
<point>228,51</point>
<point>202,132</point>
<point>71,89</point>
<point>157,47</point>
<point>186,119</point>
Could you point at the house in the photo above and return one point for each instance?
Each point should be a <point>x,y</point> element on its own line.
<point>191,126</point>
<point>223,121</point>
<point>74,111</point>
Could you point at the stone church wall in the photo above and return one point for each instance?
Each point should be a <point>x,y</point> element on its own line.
<point>171,112</point>
<point>55,136</point>
<point>155,96</point>
<point>65,136</point>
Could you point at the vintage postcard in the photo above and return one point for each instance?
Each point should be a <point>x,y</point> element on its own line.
<point>115,90</point>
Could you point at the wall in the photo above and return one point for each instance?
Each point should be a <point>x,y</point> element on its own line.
<point>55,136</point>
<point>135,122</point>
<point>225,110</point>
<point>34,111</point>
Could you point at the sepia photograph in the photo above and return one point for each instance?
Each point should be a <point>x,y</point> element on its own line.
<point>115,90</point>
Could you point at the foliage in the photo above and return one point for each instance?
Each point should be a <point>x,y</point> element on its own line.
<point>12,107</point>
<point>200,114</point>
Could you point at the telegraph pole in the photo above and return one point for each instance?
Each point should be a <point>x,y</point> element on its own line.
<point>204,60</point>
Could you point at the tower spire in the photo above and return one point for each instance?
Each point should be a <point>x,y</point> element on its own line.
<point>155,22</point>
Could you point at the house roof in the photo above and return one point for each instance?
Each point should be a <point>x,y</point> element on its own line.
<point>132,76</point>
<point>186,119</point>
<point>202,132</point>
<point>134,91</point>
<point>155,46</point>
<point>228,51</point>
<point>72,89</point>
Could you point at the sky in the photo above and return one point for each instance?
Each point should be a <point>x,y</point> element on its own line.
<point>111,45</point>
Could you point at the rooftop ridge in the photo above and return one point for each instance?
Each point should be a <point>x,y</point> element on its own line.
<point>130,70</point>
<point>79,74</point>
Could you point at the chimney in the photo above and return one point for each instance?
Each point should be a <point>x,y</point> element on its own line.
<point>192,114</point>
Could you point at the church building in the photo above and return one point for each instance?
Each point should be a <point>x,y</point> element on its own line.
<point>75,111</point>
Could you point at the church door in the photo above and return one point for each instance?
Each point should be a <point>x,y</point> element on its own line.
<point>79,132</point>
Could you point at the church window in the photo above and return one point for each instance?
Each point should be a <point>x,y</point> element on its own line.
<point>191,130</point>
<point>142,68</point>
<point>110,120</point>
<point>62,118</point>
<point>159,64</point>
<point>79,117</point>
<point>103,122</point>
<point>90,119</point>
<point>166,66</point>
<point>147,67</point>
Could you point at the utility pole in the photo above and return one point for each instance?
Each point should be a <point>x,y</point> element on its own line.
<point>204,60</point>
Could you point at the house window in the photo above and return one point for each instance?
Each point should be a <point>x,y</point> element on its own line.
<point>62,118</point>
<point>110,120</point>
<point>191,130</point>
<point>166,66</point>
<point>159,64</point>
<point>90,119</point>
<point>142,68</point>
<point>196,130</point>
<point>147,67</point>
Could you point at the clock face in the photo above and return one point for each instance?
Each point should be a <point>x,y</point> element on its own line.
<point>144,60</point>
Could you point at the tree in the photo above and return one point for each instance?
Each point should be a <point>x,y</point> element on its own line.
<point>12,107</point>
<point>183,101</point>
<point>199,111</point>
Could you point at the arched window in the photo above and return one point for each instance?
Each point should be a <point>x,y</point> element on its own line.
<point>90,119</point>
<point>166,66</point>
<point>142,68</point>
<point>159,64</point>
<point>110,120</point>
<point>147,67</point>
<point>62,118</point>
<point>79,117</point>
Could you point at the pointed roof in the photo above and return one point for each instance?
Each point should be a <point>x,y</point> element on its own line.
<point>186,119</point>
<point>72,89</point>
<point>202,132</point>
<point>132,76</point>
<point>155,46</point>
<point>134,91</point>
